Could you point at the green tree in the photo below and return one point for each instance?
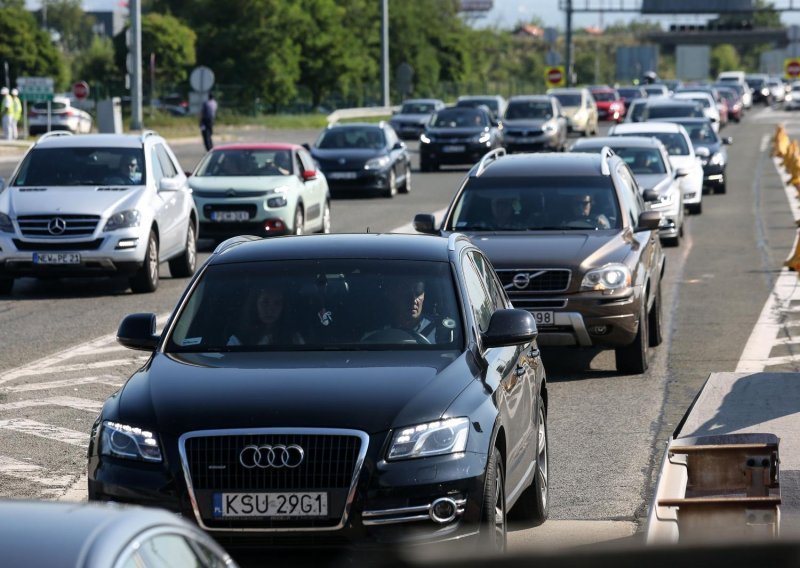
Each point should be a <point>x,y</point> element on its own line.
<point>724,57</point>
<point>96,64</point>
<point>74,26</point>
<point>28,50</point>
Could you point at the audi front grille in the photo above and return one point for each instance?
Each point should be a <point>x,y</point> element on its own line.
<point>332,460</point>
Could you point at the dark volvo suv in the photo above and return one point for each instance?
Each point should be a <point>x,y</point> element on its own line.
<point>572,242</point>
<point>336,389</point>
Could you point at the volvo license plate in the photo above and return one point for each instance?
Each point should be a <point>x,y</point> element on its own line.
<point>56,258</point>
<point>230,216</point>
<point>544,318</point>
<point>312,504</point>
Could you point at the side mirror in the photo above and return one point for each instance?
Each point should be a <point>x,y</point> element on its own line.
<point>680,172</point>
<point>728,140</point>
<point>306,146</point>
<point>425,223</point>
<point>650,195</point>
<point>510,327</point>
<point>702,152</point>
<point>170,184</point>
<point>187,174</point>
<point>309,175</point>
<point>138,331</point>
<point>398,146</point>
<point>2,183</point>
<point>649,221</point>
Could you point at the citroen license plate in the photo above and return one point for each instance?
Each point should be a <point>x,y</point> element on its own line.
<point>56,258</point>
<point>230,216</point>
<point>292,504</point>
<point>544,318</point>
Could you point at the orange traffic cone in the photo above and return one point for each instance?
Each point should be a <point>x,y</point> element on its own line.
<point>780,141</point>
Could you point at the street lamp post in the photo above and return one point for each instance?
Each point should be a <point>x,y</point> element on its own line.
<point>385,51</point>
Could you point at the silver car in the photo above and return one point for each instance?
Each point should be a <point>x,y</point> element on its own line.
<point>97,205</point>
<point>410,121</point>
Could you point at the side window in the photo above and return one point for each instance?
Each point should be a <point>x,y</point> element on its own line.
<point>631,200</point>
<point>306,160</point>
<point>479,301</point>
<point>167,167</point>
<point>489,281</point>
<point>391,137</point>
<point>168,550</point>
<point>155,164</point>
<point>298,166</point>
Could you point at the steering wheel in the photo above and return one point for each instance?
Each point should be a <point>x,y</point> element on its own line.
<point>580,224</point>
<point>396,335</point>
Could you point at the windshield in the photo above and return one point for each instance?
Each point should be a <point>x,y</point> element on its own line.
<point>319,305</point>
<point>491,103</point>
<point>605,96</point>
<point>529,109</point>
<point>674,141</point>
<point>367,137</point>
<point>701,133</point>
<point>642,160</point>
<point>458,118</point>
<point>673,111</point>
<point>655,90</point>
<point>702,100</point>
<point>755,83</point>
<point>629,93</point>
<point>82,166</point>
<point>536,203</point>
<point>225,163</point>
<point>568,99</point>
<point>417,108</point>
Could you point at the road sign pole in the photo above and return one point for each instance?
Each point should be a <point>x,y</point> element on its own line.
<point>136,72</point>
<point>568,42</point>
<point>385,51</point>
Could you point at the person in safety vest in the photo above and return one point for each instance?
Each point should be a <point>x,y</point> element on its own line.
<point>7,112</point>
<point>16,113</point>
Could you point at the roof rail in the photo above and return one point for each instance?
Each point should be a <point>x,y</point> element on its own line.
<point>146,133</point>
<point>489,157</point>
<point>451,240</point>
<point>233,241</point>
<point>53,134</point>
<point>605,153</point>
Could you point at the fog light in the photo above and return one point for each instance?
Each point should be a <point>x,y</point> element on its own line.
<point>274,226</point>
<point>443,510</point>
<point>127,243</point>
<point>689,195</point>
<point>598,329</point>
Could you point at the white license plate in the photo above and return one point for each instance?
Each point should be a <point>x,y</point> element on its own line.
<point>270,505</point>
<point>453,149</point>
<point>342,175</point>
<point>544,318</point>
<point>56,258</point>
<point>230,216</point>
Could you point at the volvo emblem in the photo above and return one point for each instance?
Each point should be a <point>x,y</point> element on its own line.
<point>522,280</point>
<point>57,226</point>
<point>267,456</point>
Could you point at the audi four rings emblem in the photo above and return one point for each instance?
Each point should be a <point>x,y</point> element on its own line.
<point>57,226</point>
<point>266,456</point>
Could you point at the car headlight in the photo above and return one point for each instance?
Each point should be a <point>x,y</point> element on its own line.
<point>6,226</point>
<point>128,442</point>
<point>277,197</point>
<point>765,92</point>
<point>610,277</point>
<point>123,220</point>
<point>482,138</point>
<point>437,438</point>
<point>424,139</point>
<point>549,127</point>
<point>717,159</point>
<point>377,163</point>
<point>665,200</point>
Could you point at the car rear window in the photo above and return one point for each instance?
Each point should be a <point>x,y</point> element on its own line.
<point>417,108</point>
<point>320,305</point>
<point>674,141</point>
<point>54,167</point>
<point>568,99</point>
<point>673,111</point>
<point>529,109</point>
<point>54,107</point>
<point>604,96</point>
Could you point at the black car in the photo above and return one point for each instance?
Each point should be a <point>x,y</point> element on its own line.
<point>458,135</point>
<point>385,390</point>
<point>364,157</point>
<point>710,148</point>
<point>573,242</point>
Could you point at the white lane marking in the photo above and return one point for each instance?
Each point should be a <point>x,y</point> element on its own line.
<point>72,368</point>
<point>67,401</point>
<point>47,431</point>
<point>764,143</point>
<point>409,227</point>
<point>32,472</point>
<point>103,379</point>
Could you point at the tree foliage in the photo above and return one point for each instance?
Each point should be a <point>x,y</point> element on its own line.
<point>73,25</point>
<point>724,57</point>
<point>96,64</point>
<point>28,50</point>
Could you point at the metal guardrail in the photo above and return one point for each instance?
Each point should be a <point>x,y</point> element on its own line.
<point>365,112</point>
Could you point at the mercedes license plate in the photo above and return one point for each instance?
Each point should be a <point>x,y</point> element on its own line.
<point>270,505</point>
<point>230,216</point>
<point>453,149</point>
<point>544,318</point>
<point>56,258</point>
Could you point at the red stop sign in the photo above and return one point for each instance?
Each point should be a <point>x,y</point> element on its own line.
<point>80,90</point>
<point>554,77</point>
<point>793,69</point>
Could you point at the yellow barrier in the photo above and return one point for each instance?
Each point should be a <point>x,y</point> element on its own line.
<point>780,142</point>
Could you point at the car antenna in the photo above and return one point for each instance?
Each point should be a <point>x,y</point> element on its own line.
<point>367,229</point>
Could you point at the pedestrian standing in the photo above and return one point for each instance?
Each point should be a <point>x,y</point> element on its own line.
<point>6,111</point>
<point>16,108</point>
<point>208,115</point>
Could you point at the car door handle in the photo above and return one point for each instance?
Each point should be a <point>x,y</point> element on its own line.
<point>534,353</point>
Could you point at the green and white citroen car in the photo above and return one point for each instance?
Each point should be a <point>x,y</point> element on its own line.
<point>260,189</point>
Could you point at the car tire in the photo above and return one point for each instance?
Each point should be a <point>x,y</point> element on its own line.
<point>146,278</point>
<point>406,187</point>
<point>721,188</point>
<point>326,218</point>
<point>655,317</point>
<point>6,284</point>
<point>391,185</point>
<point>493,517</point>
<point>695,208</point>
<point>183,266</point>
<point>632,359</point>
<point>299,221</point>
<point>671,241</point>
<point>533,505</point>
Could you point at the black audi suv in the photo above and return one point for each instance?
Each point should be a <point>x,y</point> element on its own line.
<point>458,135</point>
<point>334,390</point>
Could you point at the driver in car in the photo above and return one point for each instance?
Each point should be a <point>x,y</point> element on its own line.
<point>581,206</point>
<point>406,299</point>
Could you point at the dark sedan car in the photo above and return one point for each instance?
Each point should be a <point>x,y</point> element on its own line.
<point>80,535</point>
<point>332,390</point>
<point>363,157</point>
<point>534,122</point>
<point>710,148</point>
<point>458,135</point>
<point>572,242</point>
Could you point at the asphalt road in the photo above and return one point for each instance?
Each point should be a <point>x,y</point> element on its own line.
<point>607,432</point>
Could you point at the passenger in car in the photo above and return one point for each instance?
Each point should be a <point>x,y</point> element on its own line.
<point>266,321</point>
<point>507,214</point>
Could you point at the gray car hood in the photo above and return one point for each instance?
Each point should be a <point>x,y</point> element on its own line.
<point>77,200</point>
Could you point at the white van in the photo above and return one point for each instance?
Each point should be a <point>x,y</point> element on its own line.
<point>739,78</point>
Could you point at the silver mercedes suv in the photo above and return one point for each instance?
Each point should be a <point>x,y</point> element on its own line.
<point>98,204</point>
